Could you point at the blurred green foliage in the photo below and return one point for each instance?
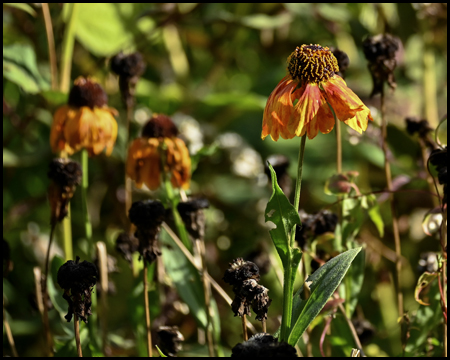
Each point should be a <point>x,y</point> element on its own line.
<point>211,67</point>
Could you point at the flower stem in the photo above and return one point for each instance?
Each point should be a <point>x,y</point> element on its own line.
<point>84,189</point>
<point>76,326</point>
<point>444,268</point>
<point>147,310</point>
<point>67,48</point>
<point>338,145</point>
<point>51,45</point>
<point>395,229</point>
<point>102,257</point>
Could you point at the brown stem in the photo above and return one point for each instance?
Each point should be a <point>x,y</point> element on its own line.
<point>147,311</point>
<point>387,170</point>
<point>207,293</point>
<point>8,332</point>
<point>444,268</point>
<point>430,180</point>
<point>128,181</point>
<point>264,325</point>
<point>51,45</point>
<point>352,329</point>
<point>76,326</point>
<point>244,326</point>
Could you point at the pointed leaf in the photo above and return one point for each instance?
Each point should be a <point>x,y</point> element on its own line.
<point>425,279</point>
<point>325,280</point>
<point>283,214</point>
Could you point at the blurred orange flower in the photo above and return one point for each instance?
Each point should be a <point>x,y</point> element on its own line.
<point>159,149</point>
<point>302,101</point>
<point>85,122</point>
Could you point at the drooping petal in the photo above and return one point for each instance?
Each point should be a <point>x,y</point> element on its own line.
<point>347,105</point>
<point>326,122</point>
<point>279,110</point>
<point>57,139</point>
<point>306,109</point>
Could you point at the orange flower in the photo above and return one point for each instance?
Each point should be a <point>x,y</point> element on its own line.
<point>159,148</point>
<point>85,122</point>
<point>302,101</point>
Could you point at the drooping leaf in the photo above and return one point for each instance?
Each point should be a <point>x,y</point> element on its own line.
<point>161,354</point>
<point>353,283</point>
<point>375,214</point>
<point>283,214</point>
<point>325,280</point>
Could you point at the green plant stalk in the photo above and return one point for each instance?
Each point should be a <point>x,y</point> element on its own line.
<point>67,235</point>
<point>182,233</point>
<point>147,311</point>
<point>288,285</point>
<point>44,294</point>
<point>51,45</point>
<point>67,48</point>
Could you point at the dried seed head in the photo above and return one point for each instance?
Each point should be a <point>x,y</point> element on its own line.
<point>87,92</point>
<point>170,339</point>
<point>420,126</point>
<point>127,244</point>
<point>380,51</point>
<point>148,216</point>
<point>193,216</point>
<point>159,126</point>
<point>263,345</point>
<point>128,66</point>
<point>239,271</point>
<point>77,280</point>
<point>65,175</point>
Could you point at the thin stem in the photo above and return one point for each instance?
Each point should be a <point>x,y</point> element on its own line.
<point>207,294</point>
<point>84,189</point>
<point>67,48</point>
<point>395,229</point>
<point>298,184</point>
<point>244,327</point>
<point>430,179</point>
<point>444,267</point>
<point>264,325</point>
<point>147,311</point>
<point>128,181</point>
<point>352,329</point>
<point>44,293</point>
<point>51,45</point>
<point>8,331</point>
<point>67,235</point>
<point>76,326</point>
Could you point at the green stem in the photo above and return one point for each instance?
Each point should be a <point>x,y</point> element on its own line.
<point>176,215</point>
<point>84,189</point>
<point>67,48</point>
<point>67,235</point>
<point>298,184</point>
<point>288,287</point>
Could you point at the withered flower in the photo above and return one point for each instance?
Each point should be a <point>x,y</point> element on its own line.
<point>148,216</point>
<point>380,51</point>
<point>438,158</point>
<point>302,101</point>
<point>127,244</point>
<point>170,340</point>
<point>85,122</point>
<point>129,68</point>
<point>65,175</point>
<point>263,345</point>
<point>261,303</point>
<point>191,212</point>
<point>159,152</point>
<point>77,279</point>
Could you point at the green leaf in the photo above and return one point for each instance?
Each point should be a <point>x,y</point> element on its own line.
<point>325,280</point>
<point>263,21</point>
<point>283,214</point>
<point>353,283</point>
<point>22,6</point>
<point>424,280</point>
